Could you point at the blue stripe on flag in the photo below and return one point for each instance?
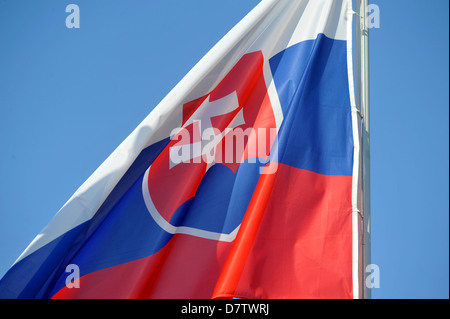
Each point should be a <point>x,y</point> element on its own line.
<point>312,84</point>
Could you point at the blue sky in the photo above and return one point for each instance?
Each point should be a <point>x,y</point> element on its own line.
<point>69,97</point>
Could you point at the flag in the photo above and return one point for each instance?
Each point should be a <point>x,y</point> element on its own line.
<point>241,183</point>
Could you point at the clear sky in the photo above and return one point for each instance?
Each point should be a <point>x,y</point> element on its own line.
<point>69,97</point>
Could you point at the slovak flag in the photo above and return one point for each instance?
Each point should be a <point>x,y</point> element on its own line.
<point>241,183</point>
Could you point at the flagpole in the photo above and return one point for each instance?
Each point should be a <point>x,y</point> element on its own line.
<point>362,85</point>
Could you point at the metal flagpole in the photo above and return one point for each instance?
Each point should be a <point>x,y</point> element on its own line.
<point>362,85</point>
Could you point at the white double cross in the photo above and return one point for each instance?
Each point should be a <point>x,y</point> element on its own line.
<point>210,137</point>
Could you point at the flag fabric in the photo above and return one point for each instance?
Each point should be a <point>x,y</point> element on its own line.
<point>241,183</point>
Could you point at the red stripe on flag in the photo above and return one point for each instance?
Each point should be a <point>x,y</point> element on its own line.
<point>187,267</point>
<point>295,240</point>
